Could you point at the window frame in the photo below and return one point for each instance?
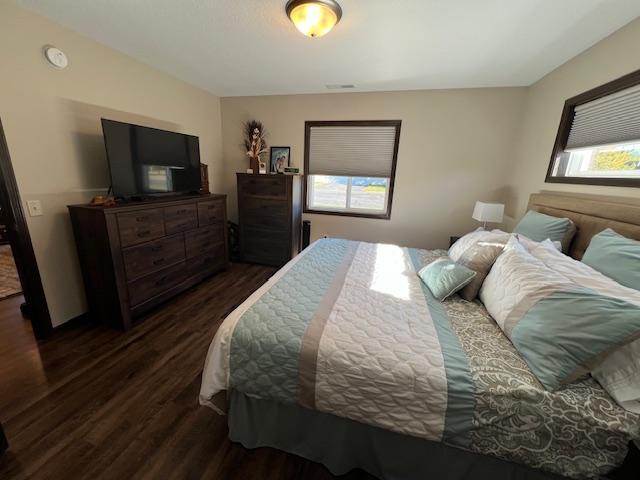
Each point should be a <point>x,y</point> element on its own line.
<point>566,120</point>
<point>351,123</point>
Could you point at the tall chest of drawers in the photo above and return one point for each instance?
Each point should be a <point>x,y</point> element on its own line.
<point>270,217</point>
<point>137,255</point>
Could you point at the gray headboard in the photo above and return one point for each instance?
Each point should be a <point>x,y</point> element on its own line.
<point>591,214</point>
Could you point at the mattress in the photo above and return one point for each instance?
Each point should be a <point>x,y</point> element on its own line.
<point>348,329</point>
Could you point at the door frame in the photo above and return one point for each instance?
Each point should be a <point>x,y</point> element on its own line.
<point>21,245</point>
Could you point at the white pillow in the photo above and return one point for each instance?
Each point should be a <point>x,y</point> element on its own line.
<point>529,244</point>
<point>515,276</point>
<point>619,373</point>
<point>479,235</point>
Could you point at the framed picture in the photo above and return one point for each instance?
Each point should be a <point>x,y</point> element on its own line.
<point>280,157</point>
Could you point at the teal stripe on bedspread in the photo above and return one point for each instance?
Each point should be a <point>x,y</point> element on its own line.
<point>460,387</point>
<point>266,342</point>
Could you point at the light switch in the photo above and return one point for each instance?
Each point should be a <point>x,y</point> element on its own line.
<point>35,208</point>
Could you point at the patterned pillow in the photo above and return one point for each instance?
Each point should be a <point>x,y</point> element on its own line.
<point>479,235</point>
<point>480,258</point>
<point>561,329</point>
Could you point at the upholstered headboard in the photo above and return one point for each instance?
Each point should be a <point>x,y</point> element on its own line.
<point>591,214</point>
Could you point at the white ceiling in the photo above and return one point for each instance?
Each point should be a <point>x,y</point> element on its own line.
<point>249,47</point>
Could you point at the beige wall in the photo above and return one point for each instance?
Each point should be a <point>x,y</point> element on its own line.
<point>52,124</point>
<point>455,148</point>
<point>611,58</point>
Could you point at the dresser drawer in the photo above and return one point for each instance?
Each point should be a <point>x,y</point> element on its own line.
<point>156,283</point>
<point>265,213</point>
<point>204,240</point>
<point>265,246</point>
<point>264,186</point>
<point>142,226</point>
<point>210,212</point>
<point>209,262</point>
<point>180,218</point>
<point>149,257</point>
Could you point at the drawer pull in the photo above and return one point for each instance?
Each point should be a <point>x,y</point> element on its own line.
<point>158,261</point>
<point>142,219</point>
<point>144,233</point>
<point>182,212</point>
<point>211,207</point>
<point>156,249</point>
<point>160,281</point>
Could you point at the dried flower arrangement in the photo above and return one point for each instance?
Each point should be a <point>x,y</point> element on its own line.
<point>254,142</point>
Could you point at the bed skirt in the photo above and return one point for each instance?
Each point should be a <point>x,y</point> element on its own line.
<point>342,445</point>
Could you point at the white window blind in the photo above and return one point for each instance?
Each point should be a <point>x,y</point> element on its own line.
<point>352,151</point>
<point>607,120</point>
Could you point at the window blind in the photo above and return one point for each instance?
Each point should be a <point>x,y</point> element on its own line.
<point>611,119</point>
<point>352,151</point>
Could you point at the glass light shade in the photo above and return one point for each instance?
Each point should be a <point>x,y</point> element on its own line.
<point>315,18</point>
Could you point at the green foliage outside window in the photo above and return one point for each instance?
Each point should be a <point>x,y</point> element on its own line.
<point>617,160</point>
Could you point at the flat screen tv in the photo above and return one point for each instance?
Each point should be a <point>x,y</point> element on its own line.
<point>146,161</point>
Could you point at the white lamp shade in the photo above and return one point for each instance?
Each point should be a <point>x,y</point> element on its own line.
<point>488,212</point>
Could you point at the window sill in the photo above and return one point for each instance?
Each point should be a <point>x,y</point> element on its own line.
<point>379,216</point>
<point>610,182</point>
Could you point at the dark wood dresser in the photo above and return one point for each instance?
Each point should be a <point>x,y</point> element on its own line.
<point>136,255</point>
<point>270,217</point>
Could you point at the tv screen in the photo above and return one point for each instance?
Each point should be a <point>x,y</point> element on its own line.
<point>147,161</point>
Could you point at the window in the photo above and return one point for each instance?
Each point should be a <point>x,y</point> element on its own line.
<point>598,141</point>
<point>350,167</point>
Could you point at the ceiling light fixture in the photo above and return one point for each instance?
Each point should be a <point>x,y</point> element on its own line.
<point>314,18</point>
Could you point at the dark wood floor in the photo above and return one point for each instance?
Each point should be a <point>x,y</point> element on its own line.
<point>96,403</point>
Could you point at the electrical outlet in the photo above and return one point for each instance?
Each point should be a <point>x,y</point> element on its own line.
<point>35,208</point>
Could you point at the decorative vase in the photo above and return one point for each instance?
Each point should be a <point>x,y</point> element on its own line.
<point>254,164</point>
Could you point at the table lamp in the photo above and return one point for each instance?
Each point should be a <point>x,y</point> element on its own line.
<point>488,213</point>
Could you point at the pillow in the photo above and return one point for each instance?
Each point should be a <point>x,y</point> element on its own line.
<point>531,244</point>
<point>479,257</point>
<point>479,235</point>
<point>538,227</point>
<point>444,277</point>
<point>616,256</point>
<point>619,373</point>
<point>499,298</point>
<point>561,329</point>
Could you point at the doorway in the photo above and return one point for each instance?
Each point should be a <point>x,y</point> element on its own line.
<point>9,280</point>
<point>17,249</point>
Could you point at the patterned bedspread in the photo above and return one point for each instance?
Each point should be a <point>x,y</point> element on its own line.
<point>348,328</point>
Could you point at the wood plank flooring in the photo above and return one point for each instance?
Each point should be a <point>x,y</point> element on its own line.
<point>97,403</point>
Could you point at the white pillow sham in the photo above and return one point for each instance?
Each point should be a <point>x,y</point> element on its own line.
<point>619,373</point>
<point>515,276</point>
<point>529,244</point>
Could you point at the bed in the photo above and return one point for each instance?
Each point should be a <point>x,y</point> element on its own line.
<point>344,357</point>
